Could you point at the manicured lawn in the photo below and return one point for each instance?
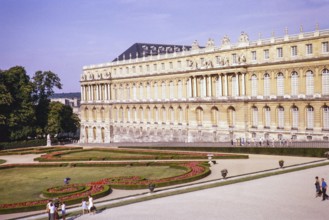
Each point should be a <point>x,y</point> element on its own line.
<point>2,161</point>
<point>26,184</point>
<point>95,153</point>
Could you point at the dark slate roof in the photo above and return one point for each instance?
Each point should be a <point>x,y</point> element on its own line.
<point>141,49</point>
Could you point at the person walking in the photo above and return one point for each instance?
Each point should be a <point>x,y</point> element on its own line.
<point>48,208</point>
<point>84,206</point>
<point>324,190</point>
<point>52,211</point>
<point>318,191</point>
<point>90,204</point>
<point>63,208</point>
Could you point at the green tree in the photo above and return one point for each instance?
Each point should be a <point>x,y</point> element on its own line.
<point>61,119</point>
<point>17,115</point>
<point>44,84</point>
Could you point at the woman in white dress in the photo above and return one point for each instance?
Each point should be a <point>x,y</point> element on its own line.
<point>90,203</point>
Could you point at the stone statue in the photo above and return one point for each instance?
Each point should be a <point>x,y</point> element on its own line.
<point>195,45</point>
<point>226,61</point>
<point>48,140</point>
<point>244,38</point>
<point>226,41</point>
<point>210,43</point>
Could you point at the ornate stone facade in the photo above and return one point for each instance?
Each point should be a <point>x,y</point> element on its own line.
<point>275,88</point>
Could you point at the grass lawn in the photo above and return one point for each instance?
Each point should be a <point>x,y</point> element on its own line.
<point>26,184</point>
<point>2,161</point>
<point>95,153</point>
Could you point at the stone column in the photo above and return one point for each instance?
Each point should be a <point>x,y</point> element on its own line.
<point>209,86</point>
<point>237,85</point>
<point>194,88</point>
<point>243,86</point>
<point>226,86</point>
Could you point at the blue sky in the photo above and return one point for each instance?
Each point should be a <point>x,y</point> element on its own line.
<point>64,35</point>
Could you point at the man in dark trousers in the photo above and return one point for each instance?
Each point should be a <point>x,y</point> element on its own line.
<point>324,190</point>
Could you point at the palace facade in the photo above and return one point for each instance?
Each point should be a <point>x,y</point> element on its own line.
<point>276,88</point>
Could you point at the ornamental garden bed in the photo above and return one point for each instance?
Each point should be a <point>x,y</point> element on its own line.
<point>26,183</point>
<point>97,154</point>
<point>37,150</point>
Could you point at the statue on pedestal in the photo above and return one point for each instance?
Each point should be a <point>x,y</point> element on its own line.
<point>48,140</point>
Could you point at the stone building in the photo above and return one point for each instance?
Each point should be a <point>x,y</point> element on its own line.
<point>275,89</point>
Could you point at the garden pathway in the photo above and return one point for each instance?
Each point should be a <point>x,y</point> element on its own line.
<point>235,167</point>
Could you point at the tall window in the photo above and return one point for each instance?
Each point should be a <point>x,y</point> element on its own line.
<point>134,115</point>
<point>325,47</point>
<point>155,85</point>
<point>218,87</point>
<point>267,118</point>
<point>325,116</point>
<point>253,56</point>
<point>164,115</point>
<point>148,91</point>
<point>280,117</point>
<point>280,84</point>
<point>172,115</point>
<point>234,58</point>
<point>134,92</point>
<point>309,49</point>
<point>199,115</point>
<point>179,64</point>
<point>180,89</point>
<point>180,115</point>
<point>254,116</point>
<point>325,82</point>
<point>254,85</point>
<point>267,84</point>
<point>148,112</point>
<point>293,51</point>
<point>231,117</point>
<point>163,90</point>
<point>214,116</point>
<point>266,54</point>
<point>128,92</point>
<point>294,83</point>
<point>171,90</point>
<point>309,117</point>
<point>309,83</point>
<point>141,114</point>
<point>155,67</point>
<point>163,66</point>
<point>295,117</point>
<point>234,87</point>
<point>279,52</point>
<point>128,115</point>
<point>141,91</point>
<point>156,115</point>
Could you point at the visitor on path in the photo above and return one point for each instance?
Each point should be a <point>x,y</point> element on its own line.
<point>52,211</point>
<point>63,208</point>
<point>84,206</point>
<point>318,191</point>
<point>48,208</point>
<point>324,190</point>
<point>91,207</point>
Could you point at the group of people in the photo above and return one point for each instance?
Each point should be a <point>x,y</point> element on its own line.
<point>52,209</point>
<point>90,207</point>
<point>321,188</point>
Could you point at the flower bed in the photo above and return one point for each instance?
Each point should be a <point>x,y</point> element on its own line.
<point>74,193</point>
<point>148,155</point>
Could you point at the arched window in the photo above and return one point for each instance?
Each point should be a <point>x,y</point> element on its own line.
<point>148,91</point>
<point>141,114</point>
<point>121,114</point>
<point>280,117</point>
<point>180,115</point>
<point>254,117</point>
<point>86,134</point>
<point>115,114</point>
<point>116,93</point>
<point>309,117</point>
<point>155,86</point>
<point>156,115</point>
<point>267,84</point>
<point>171,90</point>
<point>309,83</point>
<point>325,82</point>
<point>134,92</point>
<point>163,90</point>
<point>103,134</point>
<point>294,117</point>
<point>231,117</point>
<point>164,115</point>
<point>254,85</point>
<point>94,133</point>
<point>180,89</point>
<point>134,114</point>
<point>102,114</point>
<point>280,84</point>
<point>172,115</point>
<point>86,114</point>
<point>128,114</point>
<point>325,117</point>
<point>267,117</point>
<point>294,83</point>
<point>199,116</point>
<point>148,110</point>
<point>94,114</point>
<point>214,116</point>
<point>128,92</point>
<point>141,91</point>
